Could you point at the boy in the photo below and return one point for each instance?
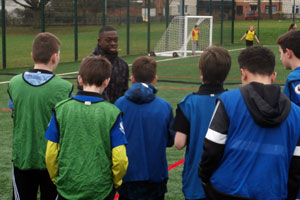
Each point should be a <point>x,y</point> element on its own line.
<point>32,96</point>
<point>86,155</point>
<point>290,56</point>
<point>251,149</point>
<point>147,119</point>
<point>193,116</point>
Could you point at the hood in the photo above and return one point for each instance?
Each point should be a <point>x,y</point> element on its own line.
<point>268,106</point>
<point>141,93</point>
<point>110,56</point>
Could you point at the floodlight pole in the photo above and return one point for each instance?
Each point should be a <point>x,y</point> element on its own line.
<point>3,34</point>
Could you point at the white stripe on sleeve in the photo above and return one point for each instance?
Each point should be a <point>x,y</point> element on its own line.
<point>216,137</point>
<point>297,151</point>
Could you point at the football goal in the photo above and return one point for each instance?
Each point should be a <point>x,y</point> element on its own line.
<point>176,40</point>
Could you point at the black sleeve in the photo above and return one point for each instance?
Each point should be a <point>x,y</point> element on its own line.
<point>171,132</point>
<point>126,78</point>
<point>213,149</point>
<point>181,123</point>
<point>294,176</point>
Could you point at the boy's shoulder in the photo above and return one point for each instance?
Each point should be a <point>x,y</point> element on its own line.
<point>162,101</point>
<point>294,75</point>
<point>16,77</point>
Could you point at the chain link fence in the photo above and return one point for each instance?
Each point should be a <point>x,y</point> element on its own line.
<point>140,23</point>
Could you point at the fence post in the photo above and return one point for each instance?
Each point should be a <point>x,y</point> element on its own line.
<point>258,20</point>
<point>3,34</point>
<point>182,8</point>
<point>222,18</point>
<point>128,29</point>
<point>210,8</point>
<point>148,40</point>
<point>103,6</point>
<point>76,30</point>
<point>167,24</point>
<point>197,7</point>
<point>167,13</point>
<point>294,12</point>
<point>232,21</point>
<point>43,15</point>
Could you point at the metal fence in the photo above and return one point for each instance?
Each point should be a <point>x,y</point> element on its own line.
<point>140,23</point>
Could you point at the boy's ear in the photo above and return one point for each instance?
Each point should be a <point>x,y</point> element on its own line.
<point>105,83</point>
<point>80,81</point>
<point>273,77</point>
<point>244,76</point>
<point>289,52</point>
<point>133,81</point>
<point>201,74</point>
<point>154,80</point>
<point>31,56</point>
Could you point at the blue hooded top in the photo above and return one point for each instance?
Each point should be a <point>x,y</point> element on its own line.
<point>147,120</point>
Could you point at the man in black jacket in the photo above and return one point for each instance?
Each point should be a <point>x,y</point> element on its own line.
<point>107,46</point>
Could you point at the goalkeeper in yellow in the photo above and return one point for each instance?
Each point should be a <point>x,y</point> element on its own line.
<point>86,155</point>
<point>250,35</point>
<point>195,36</point>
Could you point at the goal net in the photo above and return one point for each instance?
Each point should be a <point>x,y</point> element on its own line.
<point>177,37</point>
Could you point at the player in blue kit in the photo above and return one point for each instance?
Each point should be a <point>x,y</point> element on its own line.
<point>193,115</point>
<point>147,120</point>
<point>252,146</point>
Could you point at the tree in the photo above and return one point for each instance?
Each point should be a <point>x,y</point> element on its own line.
<point>35,6</point>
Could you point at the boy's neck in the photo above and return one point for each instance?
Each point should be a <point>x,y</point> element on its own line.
<point>93,88</point>
<point>44,67</point>
<point>295,64</point>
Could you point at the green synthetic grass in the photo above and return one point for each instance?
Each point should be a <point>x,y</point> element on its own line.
<point>19,39</point>
<point>184,69</point>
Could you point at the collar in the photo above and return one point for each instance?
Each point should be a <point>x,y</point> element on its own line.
<point>91,94</point>
<point>85,96</point>
<point>297,68</point>
<point>206,89</point>
<point>40,71</point>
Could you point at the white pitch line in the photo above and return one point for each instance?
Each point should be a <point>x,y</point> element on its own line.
<point>164,60</point>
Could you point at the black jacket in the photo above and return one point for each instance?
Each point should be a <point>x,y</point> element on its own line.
<point>118,84</point>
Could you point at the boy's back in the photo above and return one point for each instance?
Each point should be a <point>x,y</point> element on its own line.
<point>85,147</point>
<point>146,121</point>
<point>193,116</point>
<point>197,109</point>
<point>33,95</point>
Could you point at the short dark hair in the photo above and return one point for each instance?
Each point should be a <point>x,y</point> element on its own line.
<point>215,64</point>
<point>94,70</point>
<point>106,28</point>
<point>257,60</point>
<point>290,40</point>
<point>44,46</point>
<point>144,69</point>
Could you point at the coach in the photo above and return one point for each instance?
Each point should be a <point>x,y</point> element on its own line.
<point>107,46</point>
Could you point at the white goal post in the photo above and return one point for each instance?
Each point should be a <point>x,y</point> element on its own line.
<point>177,37</point>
